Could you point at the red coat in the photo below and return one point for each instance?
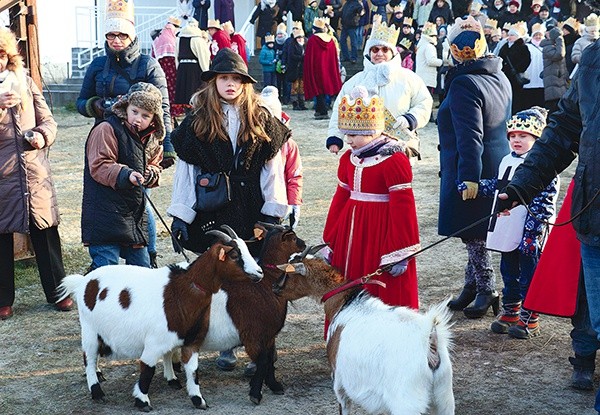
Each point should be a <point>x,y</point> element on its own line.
<point>219,41</point>
<point>321,67</point>
<point>238,44</point>
<point>553,289</point>
<point>372,221</point>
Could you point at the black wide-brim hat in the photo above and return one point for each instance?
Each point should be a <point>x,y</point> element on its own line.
<point>226,61</point>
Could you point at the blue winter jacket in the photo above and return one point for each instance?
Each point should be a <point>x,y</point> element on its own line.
<point>267,59</point>
<point>104,79</point>
<point>472,133</point>
<point>571,131</point>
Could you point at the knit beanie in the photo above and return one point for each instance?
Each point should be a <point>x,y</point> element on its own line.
<point>119,17</point>
<point>147,97</point>
<point>531,121</point>
<point>270,98</point>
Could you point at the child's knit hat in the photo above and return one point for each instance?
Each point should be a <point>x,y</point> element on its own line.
<point>531,121</point>
<point>270,98</point>
<point>145,96</point>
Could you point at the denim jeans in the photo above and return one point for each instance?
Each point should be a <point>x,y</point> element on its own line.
<point>584,339</point>
<point>353,33</point>
<point>151,226</point>
<point>269,78</point>
<point>517,270</point>
<point>590,258</point>
<point>109,255</point>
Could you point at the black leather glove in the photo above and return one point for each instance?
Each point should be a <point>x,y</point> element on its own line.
<point>179,231</point>
<point>98,107</point>
<point>502,205</point>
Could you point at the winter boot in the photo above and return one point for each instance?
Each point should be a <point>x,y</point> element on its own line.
<point>301,104</point>
<point>483,301</point>
<point>527,327</point>
<point>509,316</point>
<point>583,372</point>
<point>295,105</point>
<point>466,297</point>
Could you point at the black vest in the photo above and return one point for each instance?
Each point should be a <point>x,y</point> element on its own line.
<point>116,216</point>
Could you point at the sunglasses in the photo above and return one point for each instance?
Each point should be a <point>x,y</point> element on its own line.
<point>377,49</point>
<point>121,36</point>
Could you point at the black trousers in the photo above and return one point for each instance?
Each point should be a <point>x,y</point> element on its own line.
<point>48,255</point>
<point>321,105</point>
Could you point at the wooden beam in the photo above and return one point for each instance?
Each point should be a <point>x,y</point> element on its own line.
<point>6,4</point>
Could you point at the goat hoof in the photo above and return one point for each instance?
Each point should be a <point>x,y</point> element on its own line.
<point>142,406</point>
<point>256,399</point>
<point>174,384</point>
<point>100,376</point>
<point>199,402</point>
<point>97,393</point>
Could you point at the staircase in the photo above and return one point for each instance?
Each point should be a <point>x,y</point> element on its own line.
<point>61,95</point>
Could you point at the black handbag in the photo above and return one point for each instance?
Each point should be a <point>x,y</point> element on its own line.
<point>519,76</point>
<point>213,191</point>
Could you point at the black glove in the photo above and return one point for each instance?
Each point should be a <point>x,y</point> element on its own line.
<point>98,107</point>
<point>502,205</point>
<point>167,162</point>
<point>179,231</point>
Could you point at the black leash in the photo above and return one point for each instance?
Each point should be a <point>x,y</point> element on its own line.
<point>162,220</point>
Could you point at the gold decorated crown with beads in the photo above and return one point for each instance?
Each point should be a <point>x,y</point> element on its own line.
<point>120,9</point>
<point>384,34</point>
<point>467,53</point>
<point>405,43</point>
<point>361,116</point>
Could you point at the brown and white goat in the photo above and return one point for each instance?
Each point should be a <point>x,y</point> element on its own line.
<point>385,359</point>
<point>129,312</point>
<point>251,314</point>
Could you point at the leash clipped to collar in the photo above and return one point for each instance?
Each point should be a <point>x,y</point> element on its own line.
<point>367,279</point>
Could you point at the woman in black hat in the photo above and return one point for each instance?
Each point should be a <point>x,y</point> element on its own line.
<point>227,131</point>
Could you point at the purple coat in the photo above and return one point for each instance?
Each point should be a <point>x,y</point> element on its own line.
<point>224,11</point>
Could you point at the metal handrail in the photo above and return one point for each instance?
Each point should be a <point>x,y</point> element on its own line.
<point>247,32</point>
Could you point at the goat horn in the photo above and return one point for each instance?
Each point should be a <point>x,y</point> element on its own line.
<point>230,231</point>
<point>314,249</point>
<point>304,253</point>
<point>221,235</point>
<point>273,226</point>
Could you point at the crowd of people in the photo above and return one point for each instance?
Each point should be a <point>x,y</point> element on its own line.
<point>514,86</point>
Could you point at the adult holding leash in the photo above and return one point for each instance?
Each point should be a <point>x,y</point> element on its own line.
<point>572,131</point>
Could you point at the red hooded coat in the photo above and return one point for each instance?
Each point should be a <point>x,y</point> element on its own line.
<point>321,67</point>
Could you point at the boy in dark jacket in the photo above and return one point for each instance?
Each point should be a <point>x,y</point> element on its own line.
<point>351,13</point>
<point>122,153</point>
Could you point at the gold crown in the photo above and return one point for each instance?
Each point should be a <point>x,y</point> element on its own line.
<point>320,23</point>
<point>175,21</point>
<point>281,28</point>
<point>491,23</point>
<point>571,22</point>
<point>382,34</point>
<point>467,52</point>
<point>228,27</point>
<point>475,6</point>
<point>122,9</point>
<point>506,26</point>
<point>214,24</point>
<point>591,20</point>
<point>527,124</point>
<point>520,28</point>
<point>538,27</point>
<point>429,29</point>
<point>398,9</point>
<point>405,43</point>
<point>296,26</point>
<point>269,39</point>
<point>361,116</point>
<point>408,21</point>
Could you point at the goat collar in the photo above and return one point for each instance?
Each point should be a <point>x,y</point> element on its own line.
<point>351,284</point>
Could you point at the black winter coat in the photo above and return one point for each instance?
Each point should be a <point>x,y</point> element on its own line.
<point>295,60</point>
<point>266,19</point>
<point>571,131</point>
<point>351,14</point>
<point>294,6</point>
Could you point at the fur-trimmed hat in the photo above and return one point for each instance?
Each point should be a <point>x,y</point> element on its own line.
<point>119,17</point>
<point>226,61</point>
<point>382,35</point>
<point>145,96</point>
<point>361,114</point>
<point>467,41</point>
<point>531,121</point>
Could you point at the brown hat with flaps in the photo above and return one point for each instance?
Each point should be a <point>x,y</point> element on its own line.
<point>226,61</point>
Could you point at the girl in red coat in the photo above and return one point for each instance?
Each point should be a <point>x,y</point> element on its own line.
<point>372,220</point>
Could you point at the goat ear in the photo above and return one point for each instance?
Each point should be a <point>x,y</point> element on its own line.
<point>222,254</point>
<point>259,232</point>
<point>287,268</point>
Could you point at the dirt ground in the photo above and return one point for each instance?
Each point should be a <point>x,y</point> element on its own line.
<point>40,358</point>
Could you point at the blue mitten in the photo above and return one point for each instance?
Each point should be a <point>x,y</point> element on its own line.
<point>399,268</point>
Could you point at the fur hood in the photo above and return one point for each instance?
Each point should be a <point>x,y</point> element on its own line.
<point>145,96</point>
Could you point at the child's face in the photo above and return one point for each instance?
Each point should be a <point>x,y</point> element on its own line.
<point>358,141</point>
<point>521,142</point>
<point>270,45</point>
<point>229,86</point>
<point>139,118</point>
<point>406,29</point>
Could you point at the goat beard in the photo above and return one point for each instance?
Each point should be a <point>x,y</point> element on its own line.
<point>594,4</point>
